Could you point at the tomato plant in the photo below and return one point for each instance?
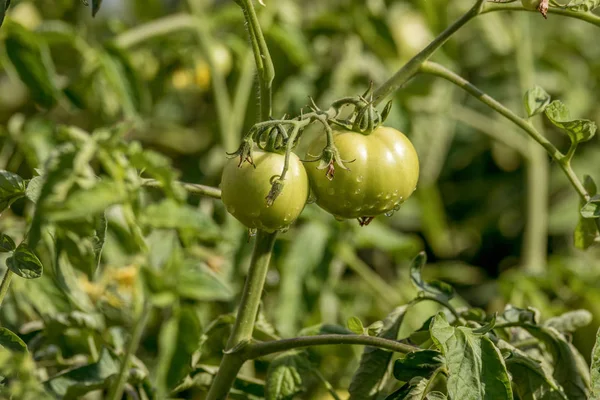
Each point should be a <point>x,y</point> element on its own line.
<point>382,174</point>
<point>245,188</point>
<point>126,268</point>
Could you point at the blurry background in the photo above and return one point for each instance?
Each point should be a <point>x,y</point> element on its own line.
<point>495,217</point>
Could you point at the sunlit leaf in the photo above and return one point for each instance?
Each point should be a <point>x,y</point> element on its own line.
<point>371,375</point>
<point>536,100</point>
<point>570,321</point>
<point>579,130</point>
<point>9,340</point>
<point>25,263</point>
<point>436,288</point>
<point>355,325</point>
<point>6,243</point>
<point>286,376</point>
<point>586,231</point>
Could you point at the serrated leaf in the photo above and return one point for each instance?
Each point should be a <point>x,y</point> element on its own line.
<point>419,363</point>
<point>570,369</point>
<point>531,381</point>
<point>12,187</point>
<point>9,340</point>
<point>592,208</point>
<point>416,389</point>
<point>370,377</point>
<point>32,61</point>
<point>438,289</point>
<point>286,376</point>
<point>536,100</point>
<point>476,369</point>
<point>570,321</point>
<point>25,263</point>
<point>579,130</point>
<point>34,188</point>
<point>586,231</point>
<point>76,382</point>
<point>355,325</point>
<point>6,243</point>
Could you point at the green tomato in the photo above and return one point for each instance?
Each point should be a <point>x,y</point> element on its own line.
<point>383,173</point>
<point>530,4</point>
<point>245,188</point>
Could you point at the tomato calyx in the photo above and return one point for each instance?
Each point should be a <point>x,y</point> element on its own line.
<point>365,118</point>
<point>364,221</point>
<point>328,159</point>
<point>244,152</point>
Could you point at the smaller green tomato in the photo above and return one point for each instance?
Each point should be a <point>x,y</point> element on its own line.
<point>530,4</point>
<point>244,191</point>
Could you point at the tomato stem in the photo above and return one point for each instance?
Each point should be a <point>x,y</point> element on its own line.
<point>248,309</point>
<point>5,284</point>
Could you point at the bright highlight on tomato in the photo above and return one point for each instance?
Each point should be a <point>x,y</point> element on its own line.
<point>244,191</point>
<point>383,173</point>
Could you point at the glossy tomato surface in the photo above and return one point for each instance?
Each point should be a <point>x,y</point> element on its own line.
<point>245,188</point>
<point>383,173</point>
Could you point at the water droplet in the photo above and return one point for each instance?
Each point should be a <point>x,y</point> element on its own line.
<point>311,199</point>
<point>231,210</point>
<point>388,196</point>
<point>359,178</point>
<point>389,213</point>
<point>338,218</point>
<point>331,191</point>
<point>357,191</point>
<point>252,232</point>
<point>397,207</point>
<point>284,229</point>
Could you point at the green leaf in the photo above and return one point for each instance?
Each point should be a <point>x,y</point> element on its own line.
<point>287,375</point>
<point>75,383</point>
<point>178,340</point>
<point>416,389</point>
<point>582,5</point>
<point>438,289</point>
<point>196,281</point>
<point>570,321</point>
<point>34,188</point>
<point>592,208</point>
<point>375,328</point>
<point>579,130</point>
<point>586,231</point>
<point>31,58</point>
<point>570,369</point>
<point>158,167</point>
<point>536,100</point>
<point>3,8</point>
<point>84,203</point>
<point>595,369</point>
<point>370,377</point>
<point>9,340</point>
<point>521,315</point>
<point>356,325</point>
<point>12,187</point>
<point>531,380</point>
<point>421,363</point>
<point>6,243</point>
<point>25,263</point>
<point>476,369</point>
<point>169,214</point>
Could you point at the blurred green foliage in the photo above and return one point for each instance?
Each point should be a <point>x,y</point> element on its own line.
<point>61,67</point>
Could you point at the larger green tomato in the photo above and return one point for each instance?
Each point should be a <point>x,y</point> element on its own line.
<point>244,191</point>
<point>383,173</point>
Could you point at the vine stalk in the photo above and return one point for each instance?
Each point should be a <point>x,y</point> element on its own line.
<point>5,284</point>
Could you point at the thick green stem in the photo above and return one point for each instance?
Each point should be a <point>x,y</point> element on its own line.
<point>261,349</point>
<point>5,284</point>
<point>262,57</point>
<point>116,392</point>
<point>535,239</point>
<point>247,312</point>
<point>411,68</point>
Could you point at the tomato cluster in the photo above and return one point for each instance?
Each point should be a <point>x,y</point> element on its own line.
<point>383,172</point>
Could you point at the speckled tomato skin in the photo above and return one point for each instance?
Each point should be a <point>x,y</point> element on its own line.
<point>245,188</point>
<point>384,171</point>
